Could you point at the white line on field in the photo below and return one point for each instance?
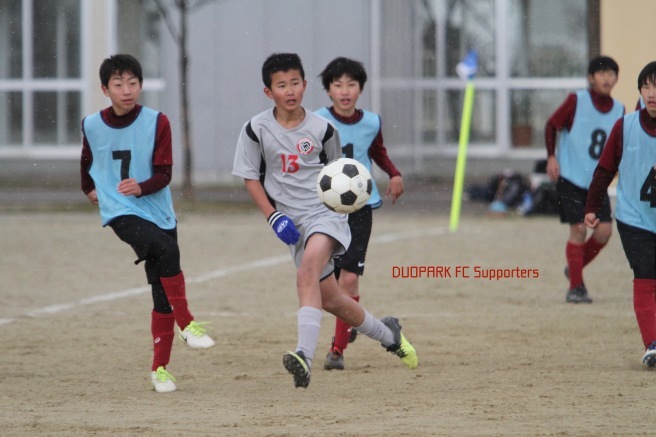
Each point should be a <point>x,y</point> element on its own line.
<point>264,262</point>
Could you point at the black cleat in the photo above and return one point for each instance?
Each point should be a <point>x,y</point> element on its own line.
<point>295,364</point>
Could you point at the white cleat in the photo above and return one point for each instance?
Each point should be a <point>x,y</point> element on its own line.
<point>162,381</point>
<point>196,336</point>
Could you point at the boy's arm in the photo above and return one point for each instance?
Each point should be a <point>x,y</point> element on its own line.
<point>282,225</point>
<point>86,182</point>
<point>162,163</point>
<point>562,118</point>
<point>604,173</point>
<point>378,153</point>
<point>257,193</point>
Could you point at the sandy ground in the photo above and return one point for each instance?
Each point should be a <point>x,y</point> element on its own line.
<point>498,357</point>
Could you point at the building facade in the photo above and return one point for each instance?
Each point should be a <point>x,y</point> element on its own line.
<point>531,52</point>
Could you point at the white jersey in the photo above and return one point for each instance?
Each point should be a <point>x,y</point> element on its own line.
<point>288,161</point>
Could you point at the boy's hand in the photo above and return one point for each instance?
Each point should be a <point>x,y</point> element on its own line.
<point>591,220</point>
<point>553,169</point>
<point>93,197</point>
<point>395,188</point>
<point>284,228</point>
<point>129,187</point>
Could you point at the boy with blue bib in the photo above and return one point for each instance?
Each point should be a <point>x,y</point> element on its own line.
<point>584,121</point>
<point>362,139</point>
<point>631,152</point>
<point>125,170</point>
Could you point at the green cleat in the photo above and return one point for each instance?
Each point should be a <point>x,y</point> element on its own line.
<point>401,347</point>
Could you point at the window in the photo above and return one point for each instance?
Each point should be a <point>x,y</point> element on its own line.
<point>139,35</point>
<point>531,53</point>
<point>41,84</point>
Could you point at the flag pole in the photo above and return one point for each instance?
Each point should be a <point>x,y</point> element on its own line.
<point>466,69</point>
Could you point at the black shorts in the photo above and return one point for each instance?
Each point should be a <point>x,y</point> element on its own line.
<point>640,249</point>
<point>571,203</point>
<point>158,247</point>
<point>360,223</point>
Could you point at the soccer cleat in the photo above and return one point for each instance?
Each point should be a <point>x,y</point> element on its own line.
<point>566,272</point>
<point>195,336</point>
<point>353,336</point>
<point>295,364</point>
<point>162,380</point>
<point>401,347</point>
<point>334,361</point>
<point>578,295</point>
<point>649,358</point>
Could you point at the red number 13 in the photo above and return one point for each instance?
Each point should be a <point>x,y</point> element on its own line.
<point>289,163</point>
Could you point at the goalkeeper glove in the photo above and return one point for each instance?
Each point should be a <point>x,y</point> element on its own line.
<point>284,228</point>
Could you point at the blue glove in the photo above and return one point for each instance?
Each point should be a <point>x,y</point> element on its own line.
<point>284,228</point>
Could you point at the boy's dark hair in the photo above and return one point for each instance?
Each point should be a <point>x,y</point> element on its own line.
<point>647,75</point>
<point>119,64</point>
<point>281,62</point>
<point>339,67</point>
<point>602,63</point>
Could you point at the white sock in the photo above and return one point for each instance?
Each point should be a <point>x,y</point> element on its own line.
<point>376,330</point>
<point>309,325</point>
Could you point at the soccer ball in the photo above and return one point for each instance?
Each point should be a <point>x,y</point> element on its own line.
<point>344,185</point>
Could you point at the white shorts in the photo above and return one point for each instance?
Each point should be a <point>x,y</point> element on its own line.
<point>332,224</point>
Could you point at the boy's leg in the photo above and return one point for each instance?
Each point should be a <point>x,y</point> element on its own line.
<point>640,248</point>
<point>161,328</point>
<point>348,269</point>
<point>175,289</point>
<point>191,332</point>
<point>644,305</point>
<point>386,331</point>
<point>600,235</point>
<point>348,282</point>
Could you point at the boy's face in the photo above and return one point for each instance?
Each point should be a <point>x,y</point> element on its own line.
<point>602,82</point>
<point>287,89</point>
<point>648,94</point>
<point>123,90</point>
<point>344,93</point>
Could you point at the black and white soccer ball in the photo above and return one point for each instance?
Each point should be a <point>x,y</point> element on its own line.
<point>344,185</point>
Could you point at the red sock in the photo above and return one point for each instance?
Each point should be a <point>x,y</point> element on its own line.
<point>574,254</point>
<point>174,287</point>
<point>161,326</point>
<point>644,305</point>
<point>591,249</point>
<point>342,333</point>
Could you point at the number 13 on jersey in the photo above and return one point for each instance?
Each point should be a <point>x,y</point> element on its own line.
<point>289,163</point>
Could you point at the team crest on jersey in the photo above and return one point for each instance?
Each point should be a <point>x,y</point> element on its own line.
<point>304,146</point>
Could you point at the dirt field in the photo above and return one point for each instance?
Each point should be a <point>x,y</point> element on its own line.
<point>504,357</point>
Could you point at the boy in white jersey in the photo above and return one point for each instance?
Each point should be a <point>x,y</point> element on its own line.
<point>631,151</point>
<point>362,139</point>
<point>125,169</point>
<point>280,153</point>
<point>584,121</point>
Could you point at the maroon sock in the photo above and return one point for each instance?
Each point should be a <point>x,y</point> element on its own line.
<point>591,249</point>
<point>161,326</point>
<point>342,333</point>
<point>574,254</point>
<point>644,305</point>
<point>174,287</point>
